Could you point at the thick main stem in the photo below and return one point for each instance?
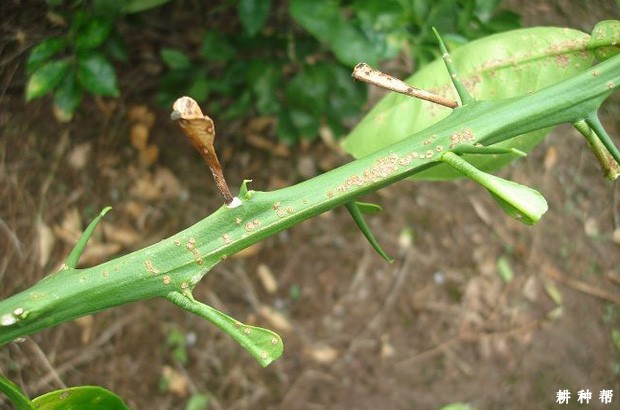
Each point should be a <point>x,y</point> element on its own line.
<point>179,262</point>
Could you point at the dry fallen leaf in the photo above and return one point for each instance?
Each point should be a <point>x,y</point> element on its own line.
<point>79,156</point>
<point>277,319</point>
<point>249,251</point>
<point>170,185</point>
<point>148,156</point>
<point>269,282</point>
<point>96,253</point>
<point>551,157</point>
<point>145,188</point>
<point>86,324</point>
<point>616,236</point>
<point>387,349</point>
<point>141,114</point>
<point>139,136</point>
<point>123,235</point>
<point>321,353</point>
<point>70,228</point>
<point>46,242</point>
<point>175,381</point>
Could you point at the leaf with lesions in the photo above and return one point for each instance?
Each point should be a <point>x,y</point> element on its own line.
<point>492,68</point>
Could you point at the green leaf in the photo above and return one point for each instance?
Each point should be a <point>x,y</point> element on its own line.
<point>80,398</point>
<point>97,75</point>
<point>67,97</point>
<point>286,130</point>
<point>265,79</point>
<point>384,23</point>
<point>115,47</point>
<point>92,33</point>
<point>175,58</point>
<point>199,89</point>
<point>215,47</point>
<point>520,202</point>
<point>615,338</point>
<point>492,68</point>
<point>309,89</point>
<point>306,124</point>
<point>15,394</point>
<point>323,20</point>
<point>605,39</point>
<point>43,51</point>
<point>457,406</point>
<point>504,269</point>
<point>263,344</point>
<point>253,14</point>
<point>44,79</point>
<point>137,6</point>
<point>198,402</point>
<point>346,97</point>
<point>367,208</point>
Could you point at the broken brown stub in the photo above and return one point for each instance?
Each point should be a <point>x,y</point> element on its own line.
<point>200,131</point>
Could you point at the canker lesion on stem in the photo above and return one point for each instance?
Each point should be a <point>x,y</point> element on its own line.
<point>200,131</point>
<point>366,73</point>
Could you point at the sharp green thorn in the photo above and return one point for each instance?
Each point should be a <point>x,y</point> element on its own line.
<point>79,247</point>
<point>454,77</point>
<point>356,214</point>
<point>518,152</point>
<point>263,344</point>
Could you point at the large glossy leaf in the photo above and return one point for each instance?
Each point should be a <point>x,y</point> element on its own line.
<point>253,14</point>
<point>499,66</point>
<point>46,78</point>
<point>80,398</point>
<point>97,75</point>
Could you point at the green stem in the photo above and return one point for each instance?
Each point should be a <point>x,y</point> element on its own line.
<point>611,168</point>
<point>178,263</point>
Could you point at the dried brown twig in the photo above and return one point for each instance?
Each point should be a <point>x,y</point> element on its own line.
<point>200,131</point>
<point>366,73</point>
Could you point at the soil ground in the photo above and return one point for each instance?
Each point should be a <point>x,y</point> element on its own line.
<point>437,326</point>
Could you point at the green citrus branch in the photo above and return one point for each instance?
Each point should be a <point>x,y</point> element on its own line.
<point>172,268</point>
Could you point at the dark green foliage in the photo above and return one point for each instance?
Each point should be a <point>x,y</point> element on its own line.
<point>76,62</point>
<point>299,75</point>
